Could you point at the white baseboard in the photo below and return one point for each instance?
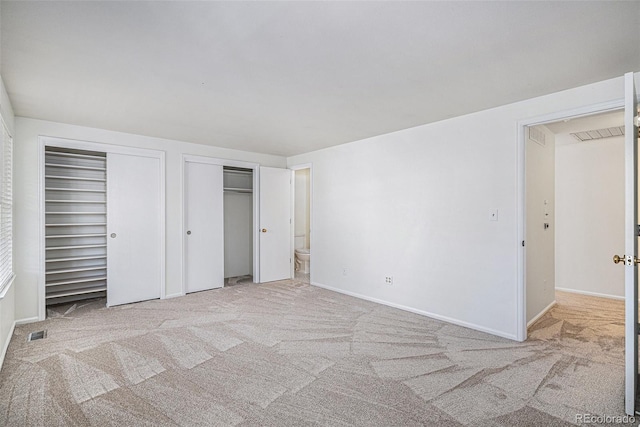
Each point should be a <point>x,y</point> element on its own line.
<point>27,320</point>
<point>179,294</point>
<point>420,312</point>
<point>6,344</point>
<point>591,294</point>
<point>542,313</point>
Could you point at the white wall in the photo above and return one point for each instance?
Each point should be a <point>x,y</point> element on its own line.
<point>7,301</point>
<point>301,206</point>
<point>416,204</point>
<point>27,203</point>
<point>589,215</point>
<point>540,242</point>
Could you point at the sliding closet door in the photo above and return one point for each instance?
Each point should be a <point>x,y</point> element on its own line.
<point>134,229</point>
<point>204,226</point>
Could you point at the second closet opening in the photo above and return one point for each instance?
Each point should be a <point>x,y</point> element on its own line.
<point>238,225</point>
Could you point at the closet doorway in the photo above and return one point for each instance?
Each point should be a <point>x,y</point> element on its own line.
<point>220,223</point>
<point>238,225</point>
<point>103,221</point>
<point>302,186</point>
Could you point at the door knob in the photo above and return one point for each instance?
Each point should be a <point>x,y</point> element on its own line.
<point>188,232</point>
<point>264,230</point>
<point>113,235</point>
<point>626,260</point>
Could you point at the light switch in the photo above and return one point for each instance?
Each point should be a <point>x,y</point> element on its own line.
<point>494,215</point>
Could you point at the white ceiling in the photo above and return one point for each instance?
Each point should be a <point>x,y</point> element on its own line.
<point>291,77</point>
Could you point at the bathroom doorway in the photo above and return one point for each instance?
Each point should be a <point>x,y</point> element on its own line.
<point>574,212</point>
<point>302,223</point>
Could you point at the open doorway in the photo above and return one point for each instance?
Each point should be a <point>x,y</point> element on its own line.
<point>302,224</point>
<point>574,211</point>
<point>238,225</point>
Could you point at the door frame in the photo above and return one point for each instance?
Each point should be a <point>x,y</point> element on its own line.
<point>44,141</point>
<point>256,209</point>
<point>587,110</point>
<point>293,216</point>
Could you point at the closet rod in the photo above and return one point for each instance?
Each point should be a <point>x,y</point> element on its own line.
<point>78,156</point>
<point>237,172</point>
<point>239,190</point>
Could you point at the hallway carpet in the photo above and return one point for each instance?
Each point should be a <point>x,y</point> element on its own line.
<point>286,353</point>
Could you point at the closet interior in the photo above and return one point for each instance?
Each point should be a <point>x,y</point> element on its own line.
<point>75,225</point>
<point>238,223</point>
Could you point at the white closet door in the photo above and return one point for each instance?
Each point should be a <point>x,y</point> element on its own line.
<point>204,247</point>
<point>630,258</point>
<point>134,228</point>
<point>275,224</point>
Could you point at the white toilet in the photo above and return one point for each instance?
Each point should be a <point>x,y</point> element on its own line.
<point>303,255</point>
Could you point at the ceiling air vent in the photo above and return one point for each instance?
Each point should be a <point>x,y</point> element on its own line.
<point>590,135</point>
<point>536,135</point>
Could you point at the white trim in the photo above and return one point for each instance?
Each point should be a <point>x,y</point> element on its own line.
<point>256,210</point>
<point>6,344</point>
<point>542,313</point>
<point>6,288</point>
<point>587,110</point>
<point>27,320</point>
<point>420,312</point>
<point>292,223</point>
<point>42,300</point>
<point>591,294</point>
<point>163,222</point>
<point>175,295</point>
<point>102,147</point>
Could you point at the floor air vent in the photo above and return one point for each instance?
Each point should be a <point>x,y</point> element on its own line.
<point>37,335</point>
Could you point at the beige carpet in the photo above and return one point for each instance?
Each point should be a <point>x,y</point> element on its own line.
<point>287,353</point>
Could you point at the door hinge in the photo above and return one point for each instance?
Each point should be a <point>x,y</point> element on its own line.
<point>523,243</point>
<point>638,230</point>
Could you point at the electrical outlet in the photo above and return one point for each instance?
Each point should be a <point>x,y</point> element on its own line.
<point>344,271</point>
<point>388,280</point>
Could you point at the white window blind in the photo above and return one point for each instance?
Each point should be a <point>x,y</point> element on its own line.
<point>6,208</point>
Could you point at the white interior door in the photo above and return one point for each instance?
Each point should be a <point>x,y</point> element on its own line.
<point>275,224</point>
<point>631,245</point>
<point>204,226</point>
<point>134,228</point>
